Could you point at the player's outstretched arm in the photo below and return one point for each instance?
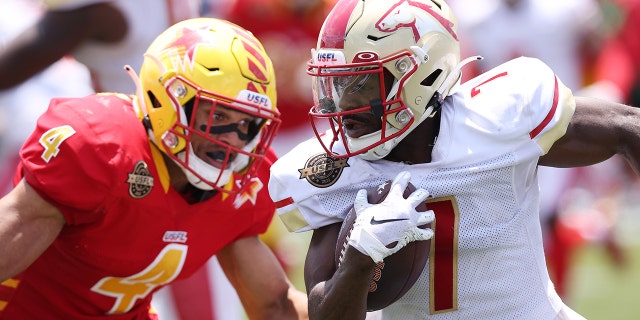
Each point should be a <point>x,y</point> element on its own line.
<point>261,284</point>
<point>28,225</point>
<point>598,130</point>
<point>55,35</point>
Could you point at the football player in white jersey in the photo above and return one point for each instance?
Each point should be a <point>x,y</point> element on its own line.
<point>386,84</point>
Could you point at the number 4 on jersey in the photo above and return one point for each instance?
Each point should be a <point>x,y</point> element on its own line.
<point>52,139</point>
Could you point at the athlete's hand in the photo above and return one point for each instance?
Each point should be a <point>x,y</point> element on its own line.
<point>380,230</point>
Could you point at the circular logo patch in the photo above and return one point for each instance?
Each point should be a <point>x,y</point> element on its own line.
<point>140,180</point>
<point>323,170</point>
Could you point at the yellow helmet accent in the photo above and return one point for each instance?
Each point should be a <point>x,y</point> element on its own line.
<point>214,60</point>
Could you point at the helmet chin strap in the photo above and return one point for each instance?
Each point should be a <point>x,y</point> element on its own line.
<point>211,173</point>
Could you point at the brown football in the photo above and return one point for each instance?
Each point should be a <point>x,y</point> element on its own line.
<point>394,276</point>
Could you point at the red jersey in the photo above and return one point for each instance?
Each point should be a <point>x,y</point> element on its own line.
<point>125,236</point>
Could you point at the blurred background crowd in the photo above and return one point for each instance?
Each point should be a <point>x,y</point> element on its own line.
<point>588,214</point>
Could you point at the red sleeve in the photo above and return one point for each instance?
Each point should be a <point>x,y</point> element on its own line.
<point>65,159</point>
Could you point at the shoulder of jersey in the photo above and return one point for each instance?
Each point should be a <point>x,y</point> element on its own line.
<point>510,99</point>
<point>103,114</point>
<point>515,77</point>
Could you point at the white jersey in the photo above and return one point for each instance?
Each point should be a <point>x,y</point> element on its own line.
<point>486,260</point>
<point>146,19</point>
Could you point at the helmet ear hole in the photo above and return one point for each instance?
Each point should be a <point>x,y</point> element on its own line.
<point>188,108</point>
<point>428,81</point>
<point>154,101</point>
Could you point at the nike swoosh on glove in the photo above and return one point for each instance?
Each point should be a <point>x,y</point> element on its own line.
<point>380,230</point>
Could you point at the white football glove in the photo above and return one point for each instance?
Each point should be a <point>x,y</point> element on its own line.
<point>393,220</point>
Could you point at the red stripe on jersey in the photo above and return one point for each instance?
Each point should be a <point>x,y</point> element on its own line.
<point>444,255</point>
<point>335,27</point>
<point>550,115</point>
<point>284,202</point>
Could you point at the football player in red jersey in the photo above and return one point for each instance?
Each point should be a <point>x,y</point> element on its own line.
<point>118,195</point>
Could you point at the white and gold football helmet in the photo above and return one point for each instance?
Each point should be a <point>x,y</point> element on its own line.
<point>214,60</point>
<point>411,47</point>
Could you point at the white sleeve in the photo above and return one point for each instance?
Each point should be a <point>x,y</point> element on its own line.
<point>521,100</point>
<point>550,102</point>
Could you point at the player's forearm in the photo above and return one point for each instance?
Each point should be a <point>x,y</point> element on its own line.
<point>300,302</point>
<point>28,225</point>
<point>344,296</point>
<point>286,305</point>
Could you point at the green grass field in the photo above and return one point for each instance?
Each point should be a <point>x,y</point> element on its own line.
<point>599,290</point>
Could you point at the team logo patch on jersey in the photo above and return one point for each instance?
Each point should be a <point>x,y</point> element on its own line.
<point>322,170</point>
<point>140,180</point>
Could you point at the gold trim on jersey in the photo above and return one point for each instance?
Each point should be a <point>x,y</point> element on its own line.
<point>11,283</point>
<point>161,166</point>
<point>293,220</point>
<point>566,107</point>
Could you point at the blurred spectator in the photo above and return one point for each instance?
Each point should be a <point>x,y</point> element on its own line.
<point>564,34</point>
<point>21,104</point>
<point>104,35</point>
<point>617,69</point>
<point>567,35</point>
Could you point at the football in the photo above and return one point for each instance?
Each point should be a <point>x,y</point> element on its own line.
<point>394,276</point>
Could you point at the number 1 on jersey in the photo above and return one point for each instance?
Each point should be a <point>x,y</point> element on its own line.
<point>443,260</point>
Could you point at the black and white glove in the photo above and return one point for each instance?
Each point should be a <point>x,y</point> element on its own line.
<point>394,220</point>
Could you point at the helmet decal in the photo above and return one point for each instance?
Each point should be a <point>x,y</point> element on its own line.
<point>251,86</point>
<point>256,64</point>
<point>187,39</point>
<point>335,27</point>
<point>256,68</point>
<point>401,16</point>
<point>365,56</point>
